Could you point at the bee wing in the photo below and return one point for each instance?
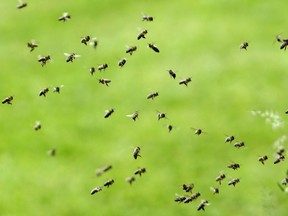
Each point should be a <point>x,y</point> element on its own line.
<point>65,14</point>
<point>77,56</point>
<point>67,54</point>
<point>130,115</point>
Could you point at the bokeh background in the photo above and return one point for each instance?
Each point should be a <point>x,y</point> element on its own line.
<point>198,39</point>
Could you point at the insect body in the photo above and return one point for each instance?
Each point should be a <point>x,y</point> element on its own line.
<point>96,190</point>
<point>239,144</point>
<point>229,139</point>
<point>152,95</point>
<point>131,49</point>
<point>122,62</point>
<point>104,81</point>
<point>37,126</point>
<point>57,89</point>
<point>161,115</point>
<point>108,113</point>
<point>100,171</point>
<point>134,115</point>
<point>44,92</point>
<point>130,180</point>
<point>8,100</point>
<point>108,183</point>
<point>185,81</point>
<point>64,17</point>
<point>140,171</point>
<point>147,18</point>
<point>202,205</point>
<point>85,40</point>
<point>153,47</point>
<point>32,45</point>
<point>21,5</point>
<point>263,158</point>
<point>234,166</point>
<point>136,152</point>
<point>220,178</point>
<point>188,187</point>
<point>172,73</point>
<point>71,57</point>
<point>142,34</point>
<point>244,45</point>
<point>92,70</point>
<point>284,44</point>
<point>102,67</point>
<point>234,181</point>
<point>43,59</point>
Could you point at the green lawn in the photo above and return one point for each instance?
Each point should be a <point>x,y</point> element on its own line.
<point>198,39</point>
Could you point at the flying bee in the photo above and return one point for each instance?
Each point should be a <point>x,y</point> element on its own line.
<point>187,187</point>
<point>32,45</point>
<point>172,73</point>
<point>92,70</point>
<point>130,180</point>
<point>108,113</point>
<point>85,40</point>
<point>180,198</point>
<point>234,181</point>
<point>244,45</point>
<point>108,183</point>
<point>100,171</point>
<point>131,49</point>
<point>229,139</point>
<point>147,18</point>
<point>43,59</point>
<point>140,171</point>
<point>220,178</point>
<point>202,205</point>
<point>52,152</point>
<point>96,190</point>
<point>198,131</point>
<point>280,152</point>
<point>215,190</point>
<point>161,115</point>
<point>185,81</point>
<point>21,5</point>
<point>57,89</point>
<point>263,158</point>
<point>134,115</point>
<point>64,17</point>
<point>284,44</point>
<point>234,166</point>
<point>8,100</point>
<point>136,152</point>
<point>278,38</point>
<point>170,127</point>
<point>192,197</point>
<point>102,67</point>
<point>37,126</point>
<point>152,95</point>
<point>279,159</point>
<point>142,35</point>
<point>44,92</point>
<point>104,81</point>
<point>239,144</point>
<point>71,57</point>
<point>122,62</point>
<point>284,181</point>
<point>94,43</point>
<point>153,47</point>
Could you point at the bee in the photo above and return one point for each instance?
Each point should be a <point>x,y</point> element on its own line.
<point>102,67</point>
<point>180,198</point>
<point>239,144</point>
<point>279,159</point>
<point>263,158</point>
<point>108,183</point>
<point>170,127</point>
<point>52,152</point>
<point>92,70</point>
<point>100,171</point>
<point>136,152</point>
<point>284,44</point>
<point>32,45</point>
<point>220,178</point>
<point>153,47</point>
<point>140,171</point>
<point>244,45</point>
<point>85,40</point>
<point>161,115</point>
<point>185,81</point>
<point>280,152</point>
<point>284,181</point>
<point>229,139</point>
<point>215,190</point>
<point>187,187</point>
<point>57,89</point>
<point>147,18</point>
<point>65,17</point>
<point>71,57</point>
<point>96,190</point>
<point>108,113</point>
<point>21,5</point>
<point>152,95</point>
<point>134,115</point>
<point>8,100</point>
<point>94,43</point>
<point>172,73</point>
<point>44,92</point>
<point>192,197</point>
<point>37,126</point>
<point>130,180</point>
<point>122,62</point>
<point>131,49</point>
<point>234,181</point>
<point>278,38</point>
<point>234,166</point>
<point>198,131</point>
<point>286,112</point>
<point>142,35</point>
<point>202,205</point>
<point>104,81</point>
<point>43,59</point>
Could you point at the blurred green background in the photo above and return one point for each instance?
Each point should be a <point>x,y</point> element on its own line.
<point>198,39</point>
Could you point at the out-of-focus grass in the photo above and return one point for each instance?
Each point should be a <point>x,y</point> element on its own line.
<point>196,39</point>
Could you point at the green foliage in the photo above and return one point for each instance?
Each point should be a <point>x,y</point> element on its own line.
<point>196,39</point>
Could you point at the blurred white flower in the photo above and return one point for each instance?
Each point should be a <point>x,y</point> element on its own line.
<point>270,117</point>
